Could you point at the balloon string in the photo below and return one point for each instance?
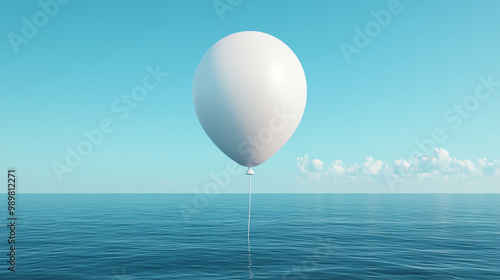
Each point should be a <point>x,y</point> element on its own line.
<point>248,230</point>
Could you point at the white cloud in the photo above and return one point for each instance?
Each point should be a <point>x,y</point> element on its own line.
<point>312,167</point>
<point>317,164</point>
<point>438,165</point>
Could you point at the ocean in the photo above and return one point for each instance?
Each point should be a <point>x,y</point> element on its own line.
<point>292,236</point>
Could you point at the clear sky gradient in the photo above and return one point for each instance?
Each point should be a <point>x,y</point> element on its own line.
<point>68,73</point>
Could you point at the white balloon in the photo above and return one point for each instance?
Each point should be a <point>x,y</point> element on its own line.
<point>249,93</point>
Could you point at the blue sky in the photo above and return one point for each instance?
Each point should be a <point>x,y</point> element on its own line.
<point>373,103</point>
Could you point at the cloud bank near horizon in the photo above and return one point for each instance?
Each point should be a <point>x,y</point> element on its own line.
<point>438,165</point>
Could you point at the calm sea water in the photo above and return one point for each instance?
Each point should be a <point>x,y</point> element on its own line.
<point>293,236</point>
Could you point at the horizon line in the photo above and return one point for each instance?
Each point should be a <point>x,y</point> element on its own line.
<point>258,193</point>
